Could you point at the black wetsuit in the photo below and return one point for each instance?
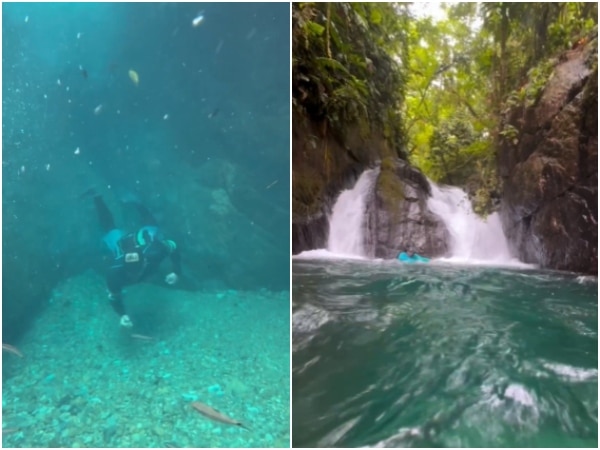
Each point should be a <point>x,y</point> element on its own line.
<point>136,255</point>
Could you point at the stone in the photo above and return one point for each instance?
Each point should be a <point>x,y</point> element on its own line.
<point>550,174</point>
<point>398,218</point>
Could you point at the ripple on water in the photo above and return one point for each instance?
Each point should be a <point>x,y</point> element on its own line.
<point>409,356</point>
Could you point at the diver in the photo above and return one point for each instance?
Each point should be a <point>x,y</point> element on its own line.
<point>135,255</point>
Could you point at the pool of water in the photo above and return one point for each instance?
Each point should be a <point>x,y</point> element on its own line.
<point>392,355</point>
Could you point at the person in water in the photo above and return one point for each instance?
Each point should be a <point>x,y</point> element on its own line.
<point>409,256</point>
<point>135,255</point>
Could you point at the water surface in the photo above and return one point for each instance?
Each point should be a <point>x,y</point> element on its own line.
<point>394,355</point>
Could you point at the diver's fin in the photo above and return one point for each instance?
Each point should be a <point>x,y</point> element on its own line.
<point>89,193</point>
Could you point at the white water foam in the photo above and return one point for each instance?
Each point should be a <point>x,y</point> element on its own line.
<point>347,222</point>
<point>473,240</point>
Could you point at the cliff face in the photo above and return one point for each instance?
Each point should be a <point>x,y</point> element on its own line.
<point>324,163</point>
<point>549,166</point>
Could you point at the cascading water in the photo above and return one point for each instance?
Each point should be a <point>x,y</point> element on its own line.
<point>473,239</point>
<point>346,226</point>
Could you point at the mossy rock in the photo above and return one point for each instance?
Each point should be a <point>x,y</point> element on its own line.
<point>307,194</point>
<point>389,187</point>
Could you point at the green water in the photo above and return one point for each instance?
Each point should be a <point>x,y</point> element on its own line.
<point>391,355</point>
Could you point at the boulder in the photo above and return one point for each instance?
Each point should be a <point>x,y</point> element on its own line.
<point>397,215</point>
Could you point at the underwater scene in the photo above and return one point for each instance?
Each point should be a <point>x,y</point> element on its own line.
<point>145,232</point>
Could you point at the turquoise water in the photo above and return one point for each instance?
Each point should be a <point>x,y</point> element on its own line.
<point>391,355</point>
<point>189,117</point>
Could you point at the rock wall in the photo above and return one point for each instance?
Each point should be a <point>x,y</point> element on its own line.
<point>323,164</point>
<point>550,169</point>
<point>398,218</point>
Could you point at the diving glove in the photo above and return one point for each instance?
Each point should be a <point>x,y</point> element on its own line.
<point>171,278</point>
<point>126,321</point>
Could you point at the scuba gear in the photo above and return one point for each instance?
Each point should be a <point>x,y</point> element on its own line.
<point>146,235</point>
<point>172,245</point>
<point>171,278</point>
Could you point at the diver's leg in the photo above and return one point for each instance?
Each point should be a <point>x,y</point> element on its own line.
<point>112,235</point>
<point>104,215</point>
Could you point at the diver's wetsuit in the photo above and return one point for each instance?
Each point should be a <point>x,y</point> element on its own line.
<point>136,255</point>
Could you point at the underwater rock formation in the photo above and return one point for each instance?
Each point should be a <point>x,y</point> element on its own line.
<point>398,217</point>
<point>549,165</point>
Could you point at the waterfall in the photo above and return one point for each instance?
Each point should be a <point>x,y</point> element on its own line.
<point>472,239</point>
<point>347,222</point>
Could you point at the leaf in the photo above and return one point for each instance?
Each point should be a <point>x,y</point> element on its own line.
<point>314,28</point>
<point>376,16</point>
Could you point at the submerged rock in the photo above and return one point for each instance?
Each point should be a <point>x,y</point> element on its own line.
<point>549,166</point>
<point>398,218</point>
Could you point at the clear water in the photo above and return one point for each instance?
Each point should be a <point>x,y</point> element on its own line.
<point>201,136</point>
<point>394,355</point>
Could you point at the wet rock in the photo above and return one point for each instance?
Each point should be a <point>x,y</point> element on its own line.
<point>550,170</point>
<point>397,216</point>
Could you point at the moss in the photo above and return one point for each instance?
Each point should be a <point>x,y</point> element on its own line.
<point>307,192</point>
<point>390,187</point>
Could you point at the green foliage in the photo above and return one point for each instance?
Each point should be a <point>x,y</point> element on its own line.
<point>467,69</point>
<point>526,33</point>
<point>447,109</point>
<point>344,67</point>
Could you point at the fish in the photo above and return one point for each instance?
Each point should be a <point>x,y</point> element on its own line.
<point>213,113</point>
<point>198,20</point>
<point>12,349</point>
<point>142,337</point>
<point>215,415</point>
<point>134,76</point>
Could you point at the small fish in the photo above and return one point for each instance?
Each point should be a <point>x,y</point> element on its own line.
<point>272,184</point>
<point>98,109</point>
<point>77,151</point>
<point>141,337</point>
<point>133,76</point>
<point>12,349</point>
<point>215,415</point>
<point>214,113</point>
<point>198,20</point>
